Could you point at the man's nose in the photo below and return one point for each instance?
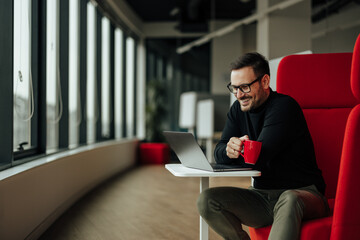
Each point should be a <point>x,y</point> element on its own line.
<point>239,93</point>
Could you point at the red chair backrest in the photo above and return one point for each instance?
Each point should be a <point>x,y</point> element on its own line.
<point>320,84</point>
<point>346,221</point>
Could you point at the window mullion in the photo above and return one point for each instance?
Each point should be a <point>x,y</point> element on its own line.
<point>124,131</point>
<point>112,81</point>
<point>6,85</point>
<point>42,104</point>
<point>98,76</point>
<point>134,90</point>
<point>64,72</point>
<point>34,68</point>
<point>83,71</point>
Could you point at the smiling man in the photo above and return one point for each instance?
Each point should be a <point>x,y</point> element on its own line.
<point>249,100</point>
<point>291,187</point>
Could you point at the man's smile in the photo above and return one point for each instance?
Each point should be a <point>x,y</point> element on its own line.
<point>245,100</point>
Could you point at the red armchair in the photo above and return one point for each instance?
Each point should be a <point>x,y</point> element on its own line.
<point>320,83</point>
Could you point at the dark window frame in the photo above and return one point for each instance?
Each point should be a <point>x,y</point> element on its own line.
<point>6,85</point>
<point>38,69</point>
<point>135,85</point>
<point>124,107</point>
<point>9,157</point>
<point>98,50</point>
<point>112,81</point>
<point>64,73</point>
<point>83,71</point>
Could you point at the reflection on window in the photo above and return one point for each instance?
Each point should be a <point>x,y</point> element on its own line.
<point>105,77</point>
<point>160,69</point>
<point>151,66</point>
<point>140,90</point>
<point>130,81</point>
<point>92,115</point>
<point>118,83</point>
<point>53,94</point>
<point>23,94</point>
<point>74,90</point>
<point>170,96</point>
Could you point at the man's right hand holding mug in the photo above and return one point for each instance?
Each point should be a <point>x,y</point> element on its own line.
<point>235,146</point>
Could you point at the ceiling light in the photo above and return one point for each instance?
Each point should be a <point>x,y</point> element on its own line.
<point>175,11</point>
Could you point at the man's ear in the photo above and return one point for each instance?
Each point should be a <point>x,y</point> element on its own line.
<point>266,81</point>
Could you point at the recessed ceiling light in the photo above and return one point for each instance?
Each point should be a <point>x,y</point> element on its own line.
<point>175,11</point>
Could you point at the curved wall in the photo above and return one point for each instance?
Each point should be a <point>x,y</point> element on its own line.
<point>35,194</point>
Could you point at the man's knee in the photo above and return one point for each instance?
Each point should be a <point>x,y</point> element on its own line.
<point>289,202</point>
<point>207,202</point>
<point>202,203</point>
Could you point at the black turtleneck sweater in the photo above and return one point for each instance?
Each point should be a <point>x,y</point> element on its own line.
<point>287,158</point>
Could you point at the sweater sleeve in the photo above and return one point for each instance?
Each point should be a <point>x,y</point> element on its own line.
<point>231,129</point>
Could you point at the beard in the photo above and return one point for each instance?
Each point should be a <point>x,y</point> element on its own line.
<point>248,103</point>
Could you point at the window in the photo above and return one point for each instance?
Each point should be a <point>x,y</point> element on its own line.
<point>91,99</point>
<point>105,77</point>
<point>74,83</point>
<point>118,83</point>
<point>53,90</point>
<point>159,69</point>
<point>23,86</point>
<point>130,86</point>
<point>170,95</point>
<point>51,106</point>
<point>140,90</point>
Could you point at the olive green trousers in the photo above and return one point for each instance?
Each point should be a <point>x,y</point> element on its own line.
<point>226,208</point>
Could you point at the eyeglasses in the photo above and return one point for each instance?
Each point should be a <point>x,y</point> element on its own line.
<point>245,88</point>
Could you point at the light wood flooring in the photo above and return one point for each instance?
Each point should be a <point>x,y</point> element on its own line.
<point>147,202</point>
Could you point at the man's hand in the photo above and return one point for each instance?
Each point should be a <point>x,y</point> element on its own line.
<point>235,146</point>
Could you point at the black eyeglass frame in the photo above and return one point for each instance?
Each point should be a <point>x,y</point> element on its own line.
<point>230,87</point>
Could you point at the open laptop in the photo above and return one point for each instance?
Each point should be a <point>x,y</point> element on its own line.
<point>191,155</point>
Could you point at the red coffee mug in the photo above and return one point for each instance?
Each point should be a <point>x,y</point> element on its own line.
<point>251,151</point>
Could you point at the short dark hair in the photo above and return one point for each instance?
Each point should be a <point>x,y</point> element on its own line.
<point>255,60</point>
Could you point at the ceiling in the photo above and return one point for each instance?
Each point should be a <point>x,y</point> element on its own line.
<point>191,10</point>
<point>193,15</point>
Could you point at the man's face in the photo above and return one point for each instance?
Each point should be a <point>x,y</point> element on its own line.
<point>257,95</point>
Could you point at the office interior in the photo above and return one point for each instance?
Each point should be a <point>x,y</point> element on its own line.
<point>86,82</point>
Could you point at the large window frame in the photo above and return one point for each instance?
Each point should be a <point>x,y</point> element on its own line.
<point>23,91</point>
<point>118,70</point>
<point>38,63</point>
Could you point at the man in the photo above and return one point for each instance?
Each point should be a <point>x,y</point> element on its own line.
<point>291,186</point>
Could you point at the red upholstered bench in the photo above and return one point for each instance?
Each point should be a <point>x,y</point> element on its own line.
<point>330,102</point>
<point>154,153</point>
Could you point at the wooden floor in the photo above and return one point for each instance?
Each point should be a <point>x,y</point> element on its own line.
<point>147,202</point>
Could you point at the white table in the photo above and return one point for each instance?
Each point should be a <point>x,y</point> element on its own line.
<point>179,170</point>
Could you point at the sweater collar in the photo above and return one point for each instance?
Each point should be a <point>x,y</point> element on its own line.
<point>262,106</point>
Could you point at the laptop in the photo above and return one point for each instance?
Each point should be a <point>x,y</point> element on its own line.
<point>191,155</point>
